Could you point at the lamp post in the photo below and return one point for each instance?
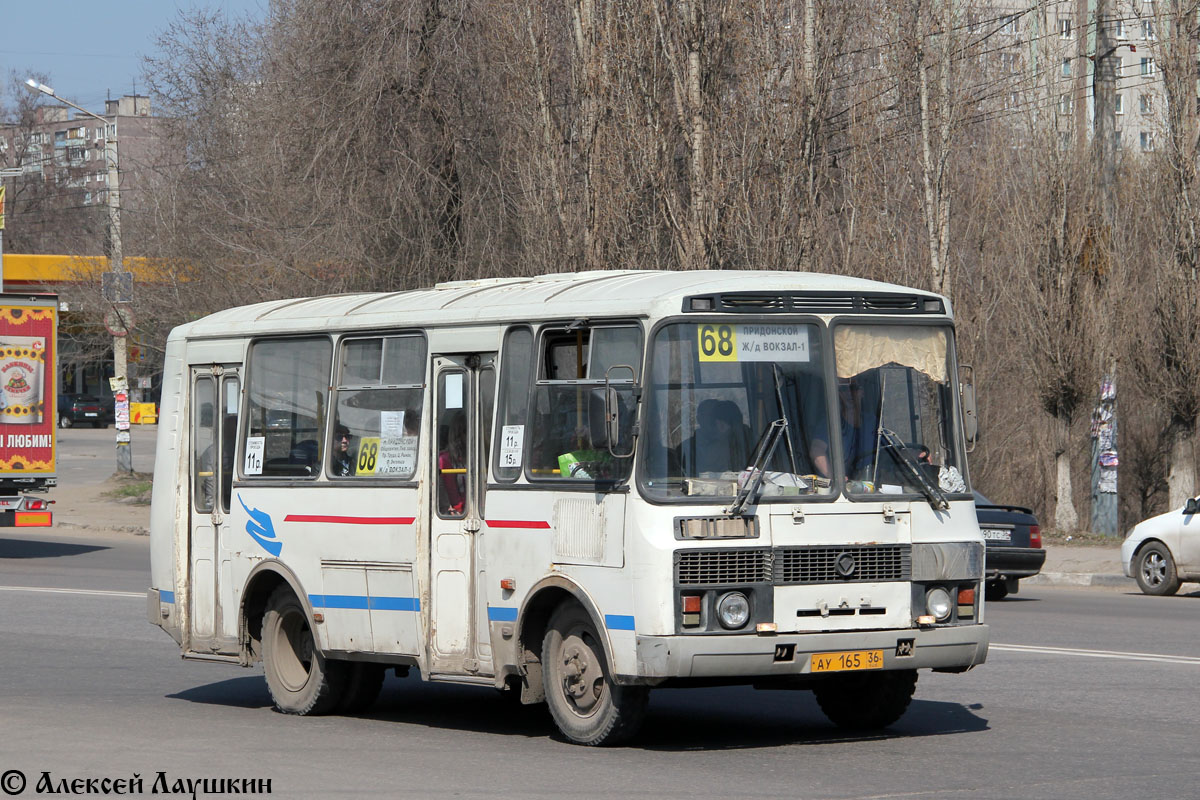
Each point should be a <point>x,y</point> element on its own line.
<point>7,172</point>
<point>120,279</point>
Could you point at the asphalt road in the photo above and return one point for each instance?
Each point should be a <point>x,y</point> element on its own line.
<point>1088,693</point>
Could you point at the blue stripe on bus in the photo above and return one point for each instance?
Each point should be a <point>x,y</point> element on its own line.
<point>166,597</point>
<point>501,614</point>
<point>395,603</point>
<point>618,622</point>
<point>364,603</point>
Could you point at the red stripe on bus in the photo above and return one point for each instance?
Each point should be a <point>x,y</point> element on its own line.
<point>350,520</point>
<point>516,523</point>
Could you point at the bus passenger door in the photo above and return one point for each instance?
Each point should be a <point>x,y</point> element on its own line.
<point>215,393</point>
<point>464,389</point>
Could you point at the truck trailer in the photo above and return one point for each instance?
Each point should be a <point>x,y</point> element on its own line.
<point>28,386</point>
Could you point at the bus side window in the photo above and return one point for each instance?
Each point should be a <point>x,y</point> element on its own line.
<point>570,439</point>
<point>378,402</point>
<point>204,444</point>
<point>288,389</point>
<point>516,371</point>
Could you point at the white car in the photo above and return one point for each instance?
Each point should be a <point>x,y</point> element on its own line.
<point>1164,551</point>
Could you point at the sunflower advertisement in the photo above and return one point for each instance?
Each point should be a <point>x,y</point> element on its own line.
<point>27,401</point>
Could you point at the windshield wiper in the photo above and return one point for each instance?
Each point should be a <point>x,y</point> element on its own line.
<point>762,455</point>
<point>901,454</point>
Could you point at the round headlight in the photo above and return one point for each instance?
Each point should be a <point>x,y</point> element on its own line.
<point>733,609</point>
<point>937,602</point>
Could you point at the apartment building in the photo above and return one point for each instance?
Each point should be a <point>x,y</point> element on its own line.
<point>1049,50</point>
<point>64,178</point>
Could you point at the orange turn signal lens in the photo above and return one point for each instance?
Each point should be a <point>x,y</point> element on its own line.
<point>966,597</point>
<point>691,604</point>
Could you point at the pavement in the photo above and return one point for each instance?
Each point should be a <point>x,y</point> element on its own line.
<point>1082,565</point>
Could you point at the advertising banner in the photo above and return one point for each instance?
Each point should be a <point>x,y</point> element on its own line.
<point>28,407</point>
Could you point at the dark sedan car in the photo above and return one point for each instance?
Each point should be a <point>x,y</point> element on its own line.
<point>1014,546</point>
<point>77,409</point>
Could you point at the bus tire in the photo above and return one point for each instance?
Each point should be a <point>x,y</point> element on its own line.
<point>300,679</point>
<point>866,701</point>
<point>363,682</point>
<point>586,705</point>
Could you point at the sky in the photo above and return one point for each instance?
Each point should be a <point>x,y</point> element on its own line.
<point>92,49</point>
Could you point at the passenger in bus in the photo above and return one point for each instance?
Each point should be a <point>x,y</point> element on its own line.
<point>452,462</point>
<point>859,428</point>
<point>590,459</point>
<point>343,461</point>
<point>722,440</point>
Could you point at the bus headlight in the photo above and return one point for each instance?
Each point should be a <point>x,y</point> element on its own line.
<point>733,610</point>
<point>937,602</point>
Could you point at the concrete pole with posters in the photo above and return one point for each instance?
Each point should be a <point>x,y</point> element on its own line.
<point>7,172</point>
<point>118,298</point>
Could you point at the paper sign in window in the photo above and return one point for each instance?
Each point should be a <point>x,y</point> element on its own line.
<point>752,343</point>
<point>391,424</point>
<point>512,442</point>
<point>454,390</point>
<point>255,447</point>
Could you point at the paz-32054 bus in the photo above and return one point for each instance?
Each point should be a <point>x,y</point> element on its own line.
<point>574,488</point>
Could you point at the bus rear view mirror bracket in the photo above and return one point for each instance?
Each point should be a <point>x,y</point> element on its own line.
<point>966,389</point>
<point>612,411</point>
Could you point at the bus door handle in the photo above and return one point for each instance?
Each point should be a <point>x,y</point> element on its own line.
<point>471,525</point>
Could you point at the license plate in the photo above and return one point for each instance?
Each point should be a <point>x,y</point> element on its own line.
<point>847,660</point>
<point>998,536</point>
<point>91,414</point>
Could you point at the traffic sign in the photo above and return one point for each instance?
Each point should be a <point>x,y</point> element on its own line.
<point>119,320</point>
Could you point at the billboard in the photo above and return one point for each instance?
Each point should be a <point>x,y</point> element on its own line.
<point>28,407</point>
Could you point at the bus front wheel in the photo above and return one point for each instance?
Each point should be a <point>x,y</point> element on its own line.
<point>866,700</point>
<point>300,679</point>
<point>586,705</point>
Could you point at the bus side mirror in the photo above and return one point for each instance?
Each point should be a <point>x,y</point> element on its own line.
<point>614,427</point>
<point>966,389</point>
<point>1192,506</point>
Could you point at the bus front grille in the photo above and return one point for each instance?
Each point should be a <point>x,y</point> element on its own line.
<point>720,567</point>
<point>794,566</point>
<point>850,564</point>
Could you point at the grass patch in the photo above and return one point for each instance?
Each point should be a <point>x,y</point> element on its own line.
<point>131,487</point>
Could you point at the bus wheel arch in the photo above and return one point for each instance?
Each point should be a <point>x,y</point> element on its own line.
<point>533,623</point>
<point>261,583</point>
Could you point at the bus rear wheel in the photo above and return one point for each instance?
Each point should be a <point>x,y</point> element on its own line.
<point>300,679</point>
<point>586,705</point>
<point>866,700</point>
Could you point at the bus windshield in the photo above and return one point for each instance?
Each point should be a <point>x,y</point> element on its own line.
<point>715,390</point>
<point>896,410</point>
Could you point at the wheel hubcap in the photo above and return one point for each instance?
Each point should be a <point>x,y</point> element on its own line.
<point>1154,569</point>
<point>294,647</point>
<point>582,675</point>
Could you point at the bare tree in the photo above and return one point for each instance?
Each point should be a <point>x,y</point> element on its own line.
<point>1175,345</point>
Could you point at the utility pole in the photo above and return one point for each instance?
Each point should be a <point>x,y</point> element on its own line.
<point>1104,148</point>
<point>117,284</point>
<point>7,172</point>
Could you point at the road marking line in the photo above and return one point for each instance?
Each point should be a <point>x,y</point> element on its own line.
<point>1115,654</point>
<point>50,590</point>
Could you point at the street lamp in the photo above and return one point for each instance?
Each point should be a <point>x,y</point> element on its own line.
<point>120,341</point>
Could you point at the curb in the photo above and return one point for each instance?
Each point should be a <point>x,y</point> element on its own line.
<point>1080,579</point>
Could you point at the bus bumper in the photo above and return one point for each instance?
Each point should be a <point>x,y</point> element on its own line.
<point>952,648</point>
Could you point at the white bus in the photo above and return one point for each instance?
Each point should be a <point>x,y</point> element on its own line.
<point>574,488</point>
